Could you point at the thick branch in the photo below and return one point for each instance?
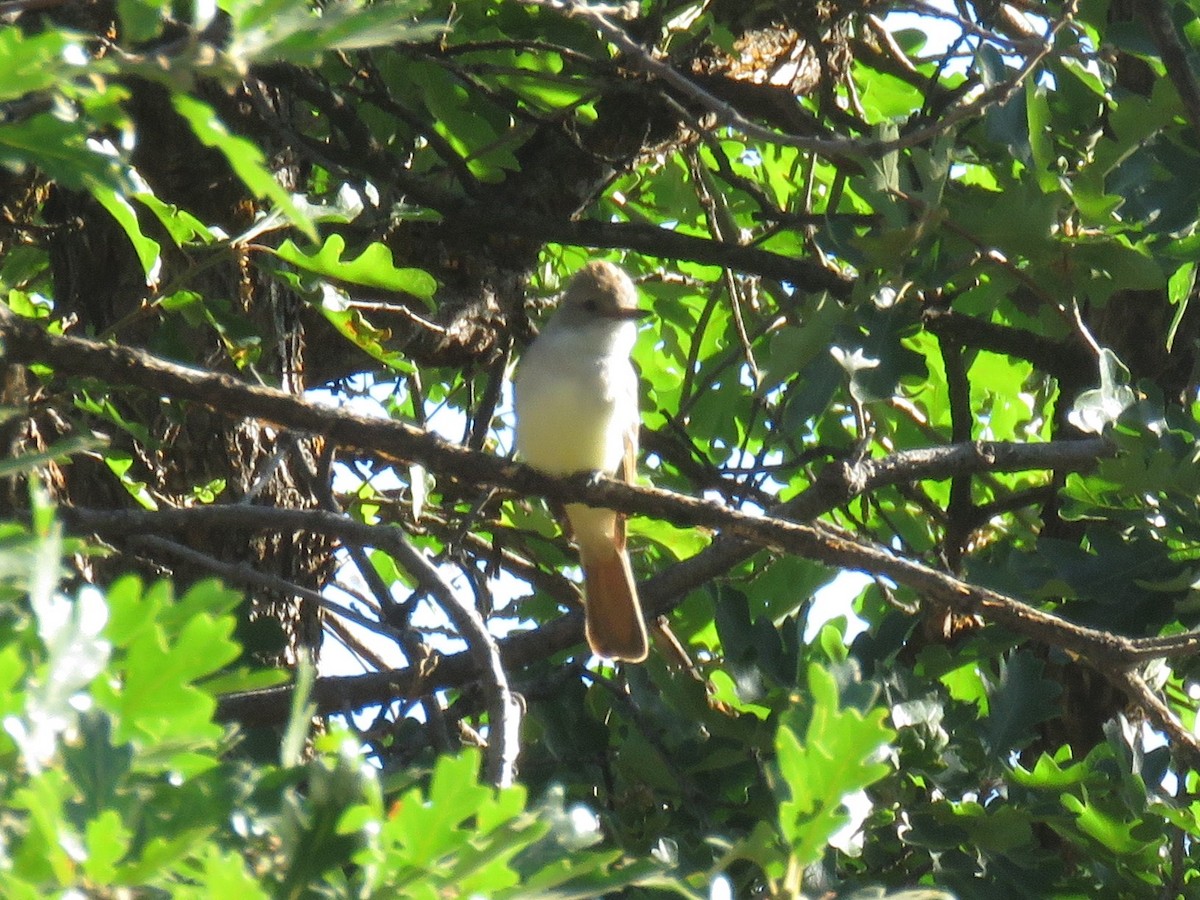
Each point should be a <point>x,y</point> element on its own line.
<point>25,341</point>
<point>805,274</point>
<point>1066,360</point>
<point>841,482</point>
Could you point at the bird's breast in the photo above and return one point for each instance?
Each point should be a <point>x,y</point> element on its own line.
<point>574,410</point>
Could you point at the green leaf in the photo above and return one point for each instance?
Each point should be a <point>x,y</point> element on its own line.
<point>1090,79</point>
<point>42,855</point>
<point>833,760</point>
<point>373,267</point>
<point>207,597</point>
<point>1019,700</point>
<point>792,350</point>
<point>159,700</point>
<point>482,140</point>
<point>246,159</point>
<point>108,840</point>
<point>76,651</point>
<point>454,795</point>
<point>142,20</point>
<point>299,723</point>
<point>226,874</point>
<point>62,151</point>
<point>132,610</point>
<point>1039,124</point>
<point>288,32</point>
<point>245,678</point>
<point>1179,292</point>
<point>59,452</point>
<point>120,464</point>
<point>998,829</point>
<point>183,227</point>
<point>354,327</point>
<point>32,62</point>
<point>1048,773</point>
<point>120,209</point>
<point>1102,826</point>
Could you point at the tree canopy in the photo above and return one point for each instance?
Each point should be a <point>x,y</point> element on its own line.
<point>284,618</point>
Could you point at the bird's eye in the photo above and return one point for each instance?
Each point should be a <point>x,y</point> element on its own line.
<point>590,305</point>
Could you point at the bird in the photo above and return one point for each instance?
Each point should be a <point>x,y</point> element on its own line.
<point>576,399</point>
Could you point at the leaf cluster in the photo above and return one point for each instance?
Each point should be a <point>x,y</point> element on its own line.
<point>864,239</point>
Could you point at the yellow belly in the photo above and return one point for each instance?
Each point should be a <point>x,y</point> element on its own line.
<point>566,426</point>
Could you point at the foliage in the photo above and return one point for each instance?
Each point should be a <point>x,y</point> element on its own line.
<point>116,776</point>
<point>863,237</point>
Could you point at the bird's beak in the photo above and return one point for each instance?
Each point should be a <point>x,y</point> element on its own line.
<point>627,314</point>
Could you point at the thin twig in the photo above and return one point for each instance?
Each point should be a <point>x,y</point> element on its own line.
<point>726,114</point>
<point>725,230</point>
<point>959,510</point>
<point>390,614</point>
<point>504,713</point>
<point>244,573</point>
<point>366,656</point>
<point>1184,744</point>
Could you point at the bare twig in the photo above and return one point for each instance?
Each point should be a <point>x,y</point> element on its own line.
<point>1184,742</point>
<point>504,713</point>
<point>1064,359</point>
<point>725,230</point>
<point>244,573</point>
<point>390,614</point>
<point>342,634</point>
<point>806,274</point>
<point>13,7</point>
<point>960,508</point>
<point>839,483</point>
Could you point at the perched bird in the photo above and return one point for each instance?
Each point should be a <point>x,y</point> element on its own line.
<point>577,411</point>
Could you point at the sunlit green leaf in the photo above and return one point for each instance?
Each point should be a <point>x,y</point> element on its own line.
<point>833,759</point>
<point>373,267</point>
<point>245,158</point>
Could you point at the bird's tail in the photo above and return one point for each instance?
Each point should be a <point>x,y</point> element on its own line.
<point>615,628</point>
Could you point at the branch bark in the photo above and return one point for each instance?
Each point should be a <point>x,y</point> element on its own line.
<point>805,274</point>
<point>25,341</point>
<point>1156,16</point>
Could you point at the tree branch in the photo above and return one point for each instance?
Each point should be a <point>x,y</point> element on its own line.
<point>841,482</point>
<point>1183,741</point>
<point>504,715</point>
<point>25,341</point>
<point>726,114</point>
<point>1156,16</point>
<point>1065,360</point>
<point>662,242</point>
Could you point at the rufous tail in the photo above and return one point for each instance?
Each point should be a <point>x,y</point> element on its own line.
<point>614,616</point>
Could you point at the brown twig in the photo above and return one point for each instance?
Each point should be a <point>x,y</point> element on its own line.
<point>960,508</point>
<point>806,274</point>
<point>1184,742</point>
<point>1156,16</point>
<point>244,573</point>
<point>726,114</point>
<point>504,713</point>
